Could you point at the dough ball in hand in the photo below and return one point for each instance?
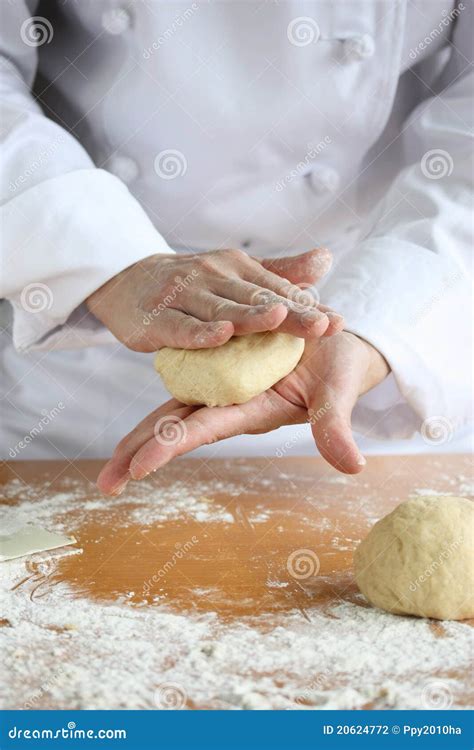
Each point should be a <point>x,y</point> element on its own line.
<point>419,560</point>
<point>232,373</point>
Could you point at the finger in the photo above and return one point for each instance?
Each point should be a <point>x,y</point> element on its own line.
<point>115,475</point>
<point>307,268</point>
<point>170,327</point>
<point>336,321</point>
<point>265,412</point>
<point>301,320</point>
<point>245,318</point>
<point>271,282</point>
<point>330,419</point>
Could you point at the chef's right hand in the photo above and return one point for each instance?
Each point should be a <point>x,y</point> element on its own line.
<point>200,301</point>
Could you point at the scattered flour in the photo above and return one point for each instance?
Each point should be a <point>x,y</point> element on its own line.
<point>74,653</point>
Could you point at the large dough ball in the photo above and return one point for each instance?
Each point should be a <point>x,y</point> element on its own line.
<point>229,374</point>
<point>419,560</point>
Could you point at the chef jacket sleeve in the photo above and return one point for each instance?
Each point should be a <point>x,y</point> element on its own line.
<point>406,287</point>
<point>67,226</point>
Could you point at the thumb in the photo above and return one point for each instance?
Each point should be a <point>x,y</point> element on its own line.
<point>330,420</point>
<point>307,268</point>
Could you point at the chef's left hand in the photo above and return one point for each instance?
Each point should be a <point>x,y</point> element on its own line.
<point>322,390</point>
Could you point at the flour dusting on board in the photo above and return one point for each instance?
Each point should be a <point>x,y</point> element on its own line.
<point>341,655</point>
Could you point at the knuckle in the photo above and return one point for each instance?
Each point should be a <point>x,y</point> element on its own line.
<point>235,254</point>
<point>220,307</point>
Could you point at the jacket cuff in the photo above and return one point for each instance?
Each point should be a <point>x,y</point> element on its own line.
<point>398,296</point>
<point>65,238</point>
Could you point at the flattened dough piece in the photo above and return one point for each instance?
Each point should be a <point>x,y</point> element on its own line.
<point>31,539</point>
<point>229,374</point>
<point>419,560</point>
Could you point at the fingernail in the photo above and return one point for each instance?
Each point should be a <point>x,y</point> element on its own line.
<point>334,317</point>
<point>265,298</point>
<point>136,472</point>
<point>361,461</point>
<point>120,487</point>
<point>311,315</point>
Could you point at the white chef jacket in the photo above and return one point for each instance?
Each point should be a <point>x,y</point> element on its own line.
<point>133,128</point>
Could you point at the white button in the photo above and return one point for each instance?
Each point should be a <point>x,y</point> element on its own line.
<point>116,20</point>
<point>123,167</point>
<point>324,179</point>
<point>359,47</point>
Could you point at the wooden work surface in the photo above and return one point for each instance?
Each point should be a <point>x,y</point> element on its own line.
<point>255,524</point>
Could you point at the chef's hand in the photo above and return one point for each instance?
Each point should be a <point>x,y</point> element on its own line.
<point>200,301</point>
<point>323,390</point>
